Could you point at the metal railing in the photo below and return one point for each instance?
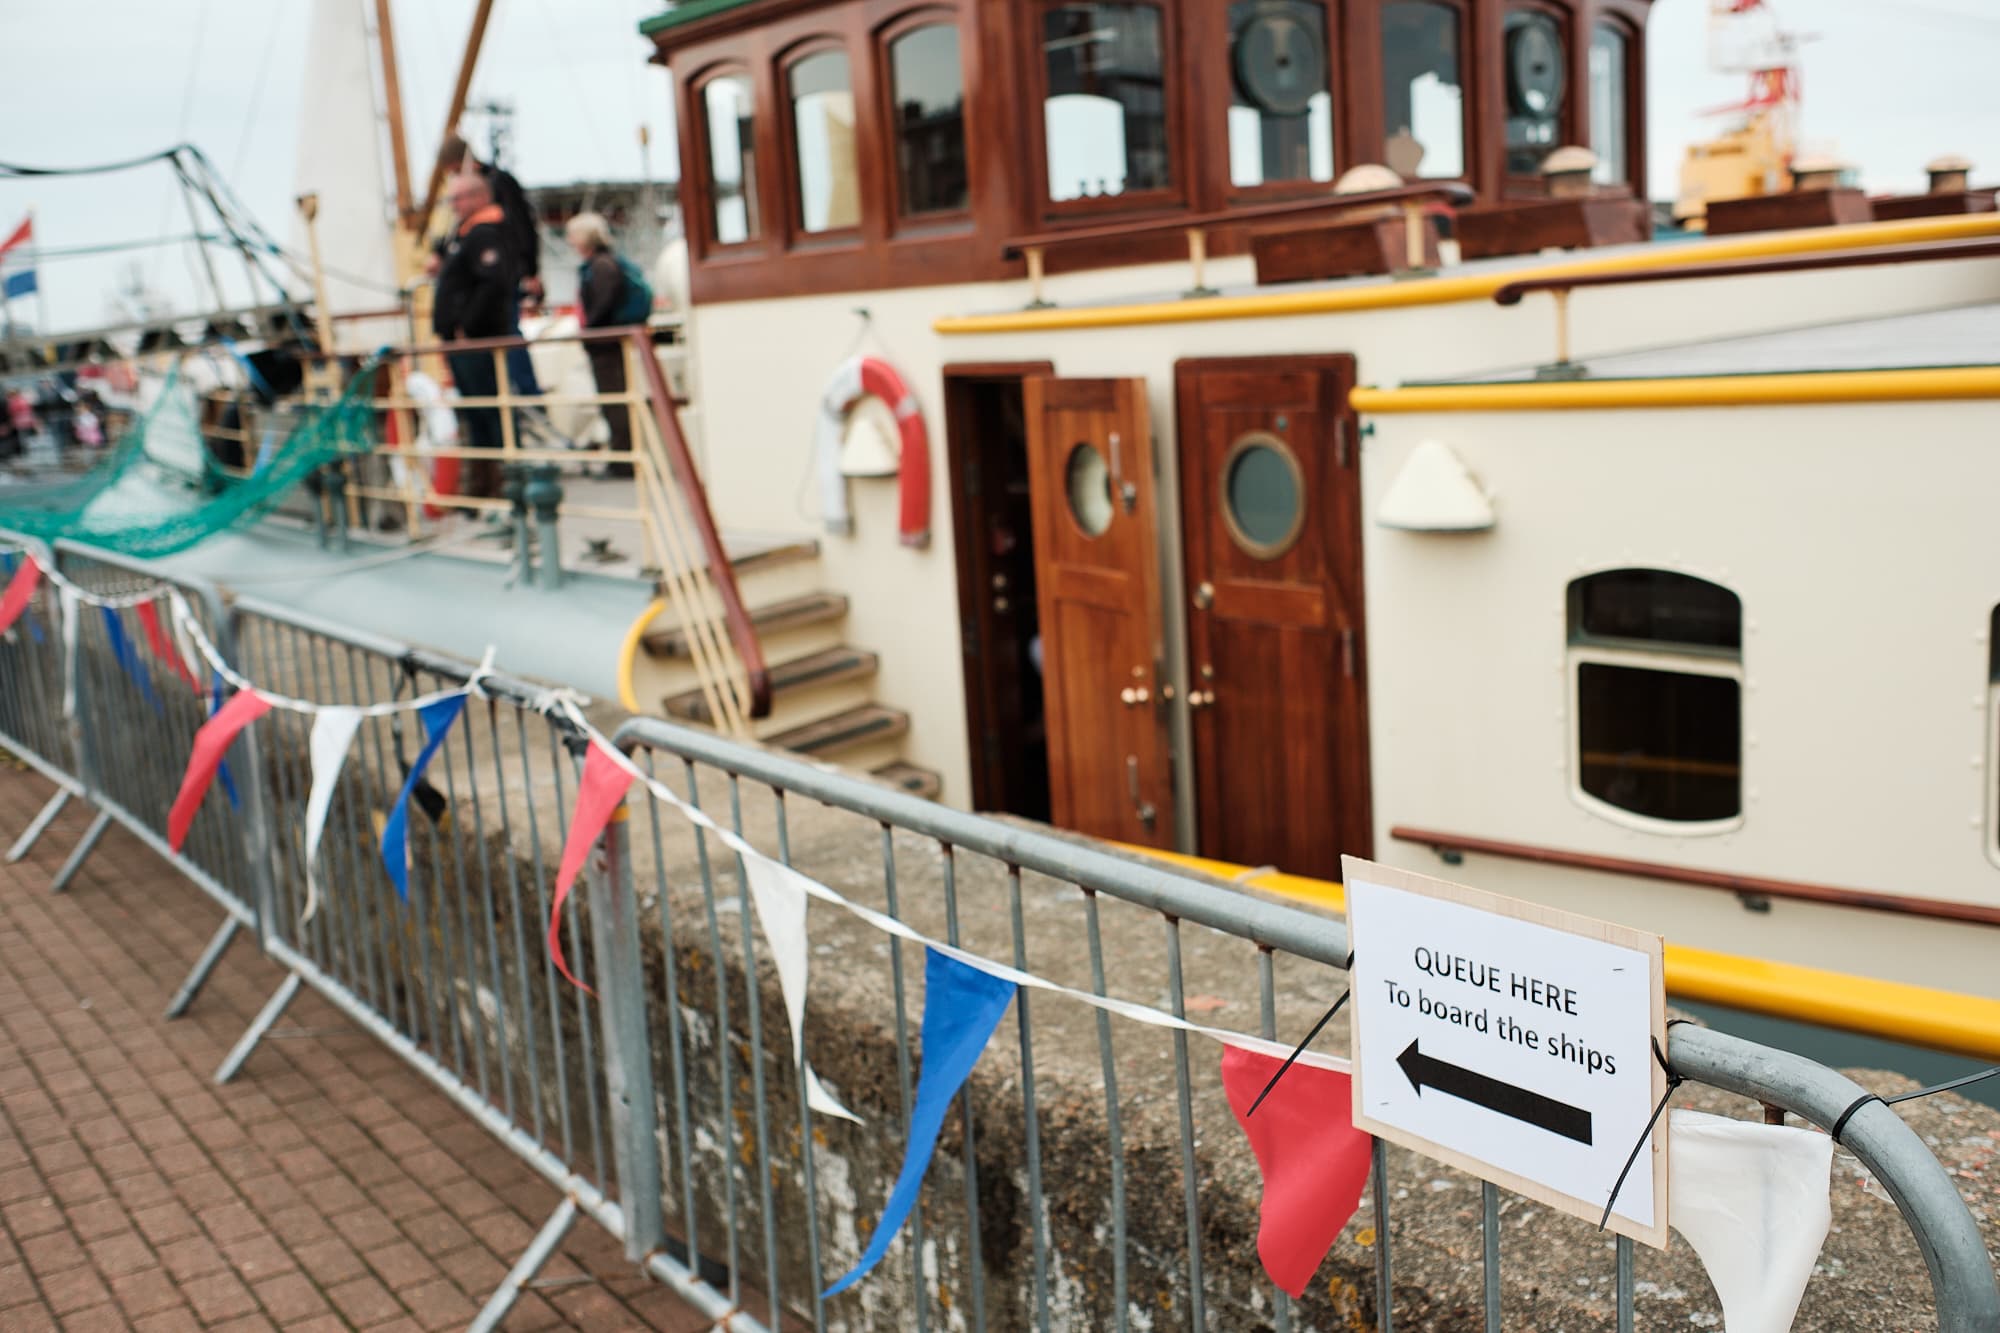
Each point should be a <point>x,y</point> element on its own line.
<point>1092,1176</point>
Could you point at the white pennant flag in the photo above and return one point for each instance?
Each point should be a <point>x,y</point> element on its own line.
<point>780,901</point>
<point>1754,1202</point>
<point>68,601</point>
<point>332,733</point>
<point>182,615</point>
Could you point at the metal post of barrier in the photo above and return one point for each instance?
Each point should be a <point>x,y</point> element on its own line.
<point>80,852</point>
<point>1378,1185</point>
<point>628,1066</point>
<point>538,1253</point>
<point>261,1024</point>
<point>203,966</point>
<point>38,825</point>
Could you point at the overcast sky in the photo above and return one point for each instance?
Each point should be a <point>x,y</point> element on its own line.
<point>1889,84</point>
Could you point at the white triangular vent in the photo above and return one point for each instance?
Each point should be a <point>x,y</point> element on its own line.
<point>1434,493</point>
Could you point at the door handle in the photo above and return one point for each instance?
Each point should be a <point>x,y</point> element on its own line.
<point>1148,815</point>
<point>1127,492</point>
<point>1204,596</point>
<point>1133,695</point>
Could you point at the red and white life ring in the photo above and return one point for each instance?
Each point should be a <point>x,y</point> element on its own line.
<point>865,376</point>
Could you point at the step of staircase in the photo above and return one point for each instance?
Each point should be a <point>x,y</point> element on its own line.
<point>827,667</point>
<point>862,725</point>
<point>792,613</point>
<point>911,778</point>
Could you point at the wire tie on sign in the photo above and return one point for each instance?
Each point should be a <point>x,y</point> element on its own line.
<point>1673,1081</point>
<point>1300,1049</point>
<point>1840,1125</point>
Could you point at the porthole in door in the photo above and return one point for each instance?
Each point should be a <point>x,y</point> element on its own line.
<point>1088,482</point>
<point>1263,495</point>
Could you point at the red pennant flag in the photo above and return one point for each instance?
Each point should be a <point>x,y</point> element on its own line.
<point>601,792</point>
<point>156,639</point>
<point>1314,1161</point>
<point>20,591</point>
<point>210,744</point>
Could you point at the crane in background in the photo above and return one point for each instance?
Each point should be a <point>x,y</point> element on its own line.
<point>1754,156</point>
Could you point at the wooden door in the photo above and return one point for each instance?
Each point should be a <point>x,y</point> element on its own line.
<point>1271,500</point>
<point>1090,473</point>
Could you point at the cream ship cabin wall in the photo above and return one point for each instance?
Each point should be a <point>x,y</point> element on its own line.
<point>1860,542</point>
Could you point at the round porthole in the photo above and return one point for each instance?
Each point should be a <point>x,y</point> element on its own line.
<point>1263,495</point>
<point>1088,482</point>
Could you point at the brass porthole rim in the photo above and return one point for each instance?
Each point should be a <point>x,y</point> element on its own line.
<point>1243,444</point>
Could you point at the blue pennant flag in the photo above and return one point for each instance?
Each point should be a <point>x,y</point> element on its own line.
<point>21,283</point>
<point>215,702</point>
<point>962,1006</point>
<point>135,666</point>
<point>438,717</point>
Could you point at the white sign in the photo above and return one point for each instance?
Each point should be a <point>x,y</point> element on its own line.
<point>1509,1039</point>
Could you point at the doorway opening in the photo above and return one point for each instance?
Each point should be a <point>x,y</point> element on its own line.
<point>986,443</point>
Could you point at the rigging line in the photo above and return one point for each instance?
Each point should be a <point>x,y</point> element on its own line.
<point>187,109</point>
<point>278,13</point>
<point>91,169</point>
<point>39,253</point>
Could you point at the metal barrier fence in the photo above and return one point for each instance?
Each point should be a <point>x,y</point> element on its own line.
<point>1093,1177</point>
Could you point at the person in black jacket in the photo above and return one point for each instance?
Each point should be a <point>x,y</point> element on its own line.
<point>475,299</point>
<point>523,241</point>
<point>601,294</point>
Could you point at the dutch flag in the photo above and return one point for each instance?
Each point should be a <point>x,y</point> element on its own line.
<point>18,281</point>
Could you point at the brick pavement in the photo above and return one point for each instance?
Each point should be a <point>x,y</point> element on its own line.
<point>327,1187</point>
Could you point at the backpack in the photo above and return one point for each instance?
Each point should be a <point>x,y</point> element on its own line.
<point>638,302</point>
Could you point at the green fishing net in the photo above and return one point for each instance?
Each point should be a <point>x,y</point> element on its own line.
<point>159,489</point>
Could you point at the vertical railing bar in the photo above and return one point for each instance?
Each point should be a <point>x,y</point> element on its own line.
<point>1379,1186</point>
<point>747,920</point>
<point>806,1154</point>
<point>523,988</point>
<point>1113,1117</point>
<point>447,947</point>
<point>974,1256</point>
<point>918,1298</point>
<point>465,970</point>
<point>335,902</point>
<point>368,904</point>
<point>394,918</point>
<point>550,992</point>
<point>1190,1173</point>
<point>285,851</point>
<point>502,1045</point>
<point>1625,1284</point>
<point>723,1081</point>
<point>1024,1022</point>
<point>676,1043</point>
<point>1267,1027</point>
<point>414,907</point>
<point>579,954</point>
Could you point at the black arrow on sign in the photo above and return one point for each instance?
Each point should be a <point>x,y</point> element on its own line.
<point>1528,1107</point>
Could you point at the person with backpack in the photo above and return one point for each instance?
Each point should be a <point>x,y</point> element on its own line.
<point>611,292</point>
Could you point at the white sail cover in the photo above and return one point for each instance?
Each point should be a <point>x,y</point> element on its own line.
<point>340,160</point>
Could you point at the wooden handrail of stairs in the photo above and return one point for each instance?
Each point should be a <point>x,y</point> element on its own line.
<point>742,631</point>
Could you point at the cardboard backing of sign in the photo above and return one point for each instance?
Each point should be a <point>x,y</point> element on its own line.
<point>1494,1086</point>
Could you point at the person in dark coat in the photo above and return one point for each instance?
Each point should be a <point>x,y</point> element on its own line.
<point>603,299</point>
<point>475,299</point>
<point>524,242</point>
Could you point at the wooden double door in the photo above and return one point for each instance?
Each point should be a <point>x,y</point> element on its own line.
<point>1274,686</point>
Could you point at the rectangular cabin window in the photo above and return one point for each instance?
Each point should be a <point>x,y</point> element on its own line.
<point>929,90</point>
<point>1537,82</point>
<point>1423,98</point>
<point>1104,112</point>
<point>823,142</point>
<point>1656,668</point>
<point>728,110</point>
<point>1608,135</point>
<point>1280,107</point>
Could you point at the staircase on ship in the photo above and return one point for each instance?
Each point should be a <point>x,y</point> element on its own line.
<point>823,695</point>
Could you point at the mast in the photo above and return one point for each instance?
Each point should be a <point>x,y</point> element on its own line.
<point>392,106</point>
<point>457,107</point>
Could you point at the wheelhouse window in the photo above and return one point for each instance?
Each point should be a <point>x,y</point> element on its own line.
<point>928,88</point>
<point>729,122</point>
<point>1535,82</point>
<point>1609,133</point>
<point>823,142</point>
<point>1656,671</point>
<point>1281,105</point>
<point>1423,95</point>
<point>1104,109</point>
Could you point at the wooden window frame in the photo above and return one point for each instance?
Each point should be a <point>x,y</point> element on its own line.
<point>886,35</point>
<point>782,65</point>
<point>709,246</point>
<point>1573,119</point>
<point>1182,190</point>
<point>1214,96</point>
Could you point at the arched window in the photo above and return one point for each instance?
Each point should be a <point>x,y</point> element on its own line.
<point>927,94</point>
<point>729,126</point>
<point>1656,674</point>
<point>1423,89</point>
<point>1610,94</point>
<point>1281,100</point>
<point>1536,75</point>
<point>829,184</point>
<point>1104,107</point>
